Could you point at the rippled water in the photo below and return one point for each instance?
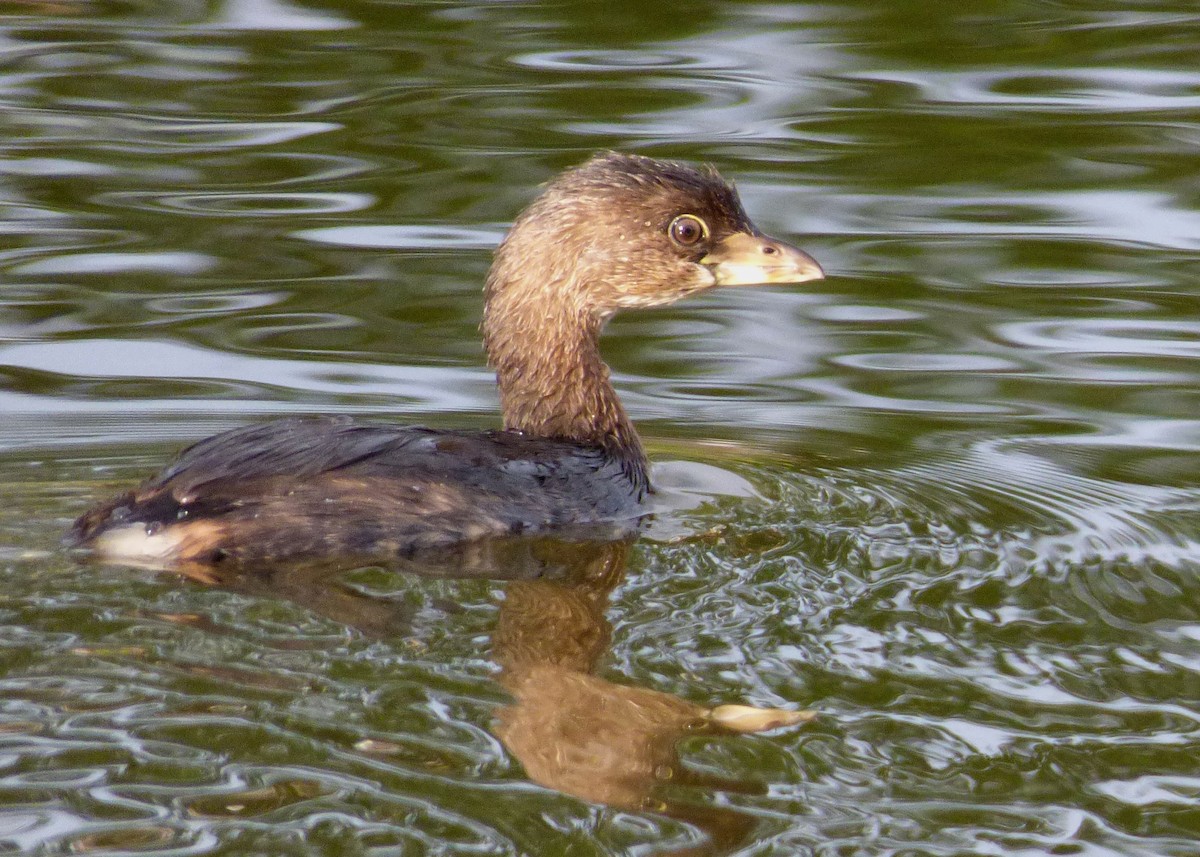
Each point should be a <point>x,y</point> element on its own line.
<point>946,498</point>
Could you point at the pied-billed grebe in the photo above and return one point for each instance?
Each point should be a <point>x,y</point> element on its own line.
<point>619,231</point>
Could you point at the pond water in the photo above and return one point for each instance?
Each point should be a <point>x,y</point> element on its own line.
<point>946,498</point>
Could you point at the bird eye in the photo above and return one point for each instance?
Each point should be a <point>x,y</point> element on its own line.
<point>687,229</point>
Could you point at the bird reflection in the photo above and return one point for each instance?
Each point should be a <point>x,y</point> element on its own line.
<point>572,730</point>
<point>580,734</point>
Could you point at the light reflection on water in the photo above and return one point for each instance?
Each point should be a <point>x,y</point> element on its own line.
<point>946,498</point>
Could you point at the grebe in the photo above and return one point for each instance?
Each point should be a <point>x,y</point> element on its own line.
<point>620,231</point>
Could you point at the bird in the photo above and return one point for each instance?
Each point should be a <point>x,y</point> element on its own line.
<point>618,232</point>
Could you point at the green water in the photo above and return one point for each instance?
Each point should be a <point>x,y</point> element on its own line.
<point>945,498</point>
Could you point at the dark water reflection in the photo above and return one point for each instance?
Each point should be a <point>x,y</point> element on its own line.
<point>947,497</point>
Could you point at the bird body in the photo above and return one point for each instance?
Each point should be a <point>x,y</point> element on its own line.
<point>304,488</point>
<point>618,232</point>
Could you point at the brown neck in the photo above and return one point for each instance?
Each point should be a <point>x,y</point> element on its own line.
<point>553,382</point>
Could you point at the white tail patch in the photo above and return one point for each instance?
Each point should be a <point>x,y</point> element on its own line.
<point>132,545</point>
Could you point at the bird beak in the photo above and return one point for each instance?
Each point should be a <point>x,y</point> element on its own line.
<point>746,259</point>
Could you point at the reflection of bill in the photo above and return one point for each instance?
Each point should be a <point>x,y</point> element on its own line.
<point>605,742</point>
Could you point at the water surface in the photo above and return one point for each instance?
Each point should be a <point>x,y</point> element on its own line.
<point>946,498</point>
